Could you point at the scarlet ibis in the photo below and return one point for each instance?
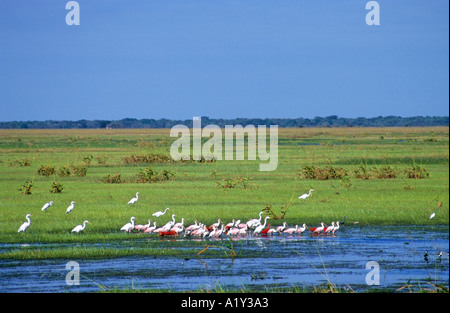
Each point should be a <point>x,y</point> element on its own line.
<point>47,205</point>
<point>265,230</point>
<point>80,228</point>
<point>168,233</point>
<point>135,199</point>
<point>281,228</point>
<point>71,206</point>
<point>129,226</point>
<point>291,230</point>
<point>159,213</point>
<point>260,227</point>
<point>306,195</point>
<point>25,225</point>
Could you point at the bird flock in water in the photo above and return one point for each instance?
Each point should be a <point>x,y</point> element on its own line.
<point>235,228</point>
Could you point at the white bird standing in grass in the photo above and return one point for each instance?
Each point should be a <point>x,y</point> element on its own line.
<point>159,213</point>
<point>47,205</point>
<point>25,225</point>
<point>306,195</point>
<point>129,226</point>
<point>80,228</point>
<point>71,206</point>
<point>432,215</point>
<point>135,199</point>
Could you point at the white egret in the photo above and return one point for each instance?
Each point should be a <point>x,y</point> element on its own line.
<point>47,205</point>
<point>306,195</point>
<point>71,206</point>
<point>432,215</point>
<point>159,213</point>
<point>25,225</point>
<point>135,199</point>
<point>129,226</point>
<point>261,227</point>
<point>80,228</point>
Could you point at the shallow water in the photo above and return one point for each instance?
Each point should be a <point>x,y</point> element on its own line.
<point>280,261</point>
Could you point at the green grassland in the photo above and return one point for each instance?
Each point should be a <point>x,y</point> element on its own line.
<point>195,191</point>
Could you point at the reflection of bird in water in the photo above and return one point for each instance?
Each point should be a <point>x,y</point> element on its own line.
<point>203,263</point>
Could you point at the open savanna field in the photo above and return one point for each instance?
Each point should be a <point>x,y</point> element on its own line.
<point>84,158</point>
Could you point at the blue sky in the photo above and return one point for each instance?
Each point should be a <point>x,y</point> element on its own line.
<point>222,59</point>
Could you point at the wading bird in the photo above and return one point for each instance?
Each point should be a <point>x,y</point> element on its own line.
<point>135,199</point>
<point>301,229</point>
<point>71,206</point>
<point>260,227</point>
<point>25,225</point>
<point>80,228</point>
<point>432,215</point>
<point>143,227</point>
<point>281,228</point>
<point>255,221</point>
<point>306,195</point>
<point>47,205</point>
<point>318,229</point>
<point>291,230</point>
<point>159,213</point>
<point>129,226</point>
<point>335,227</point>
<point>329,229</point>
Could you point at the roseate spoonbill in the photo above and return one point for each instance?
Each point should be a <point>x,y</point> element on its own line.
<point>290,230</point>
<point>150,229</point>
<point>432,215</point>
<point>280,229</point>
<point>47,205</point>
<point>71,206</point>
<point>238,224</point>
<point>335,227</point>
<point>143,227</point>
<point>159,213</point>
<point>129,226</point>
<point>318,229</point>
<point>25,225</point>
<point>180,224</point>
<point>135,199</point>
<point>261,227</point>
<point>80,228</point>
<point>193,226</point>
<point>301,229</point>
<point>215,225</point>
<point>229,225</point>
<point>306,195</point>
<point>329,229</point>
<point>271,231</point>
<point>233,231</point>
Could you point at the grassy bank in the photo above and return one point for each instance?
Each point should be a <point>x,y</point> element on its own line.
<point>197,189</point>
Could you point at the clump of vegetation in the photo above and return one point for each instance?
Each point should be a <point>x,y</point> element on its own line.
<point>64,171</point>
<point>101,160</point>
<point>56,187</point>
<point>116,179</point>
<point>26,188</point>
<point>87,159</point>
<point>148,175</point>
<point>328,172</point>
<point>385,172</point>
<point>416,172</point>
<point>79,171</point>
<point>237,181</point>
<point>21,162</point>
<point>46,170</point>
<point>362,172</point>
<point>150,158</point>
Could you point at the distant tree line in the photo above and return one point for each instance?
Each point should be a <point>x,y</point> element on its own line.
<point>329,121</point>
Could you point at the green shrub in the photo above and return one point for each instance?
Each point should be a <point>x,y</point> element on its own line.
<point>56,187</point>
<point>26,188</point>
<point>46,170</point>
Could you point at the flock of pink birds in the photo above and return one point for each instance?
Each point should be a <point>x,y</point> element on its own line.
<point>235,228</point>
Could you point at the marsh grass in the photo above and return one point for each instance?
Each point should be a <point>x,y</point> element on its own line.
<point>191,192</point>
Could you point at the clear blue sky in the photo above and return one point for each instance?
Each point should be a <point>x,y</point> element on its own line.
<point>222,59</point>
